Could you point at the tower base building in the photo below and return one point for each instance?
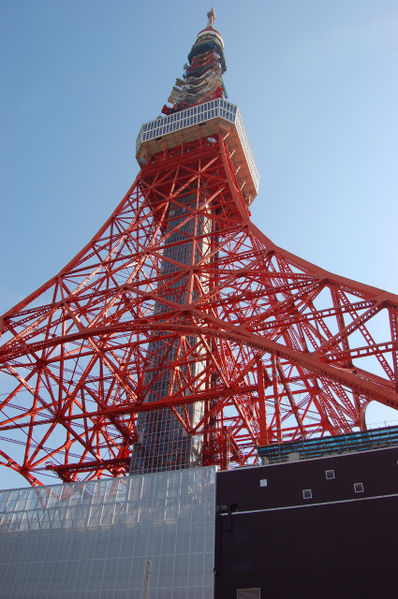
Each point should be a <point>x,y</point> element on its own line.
<point>322,526</point>
<point>94,540</point>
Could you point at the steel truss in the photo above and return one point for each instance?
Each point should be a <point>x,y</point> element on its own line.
<point>286,349</point>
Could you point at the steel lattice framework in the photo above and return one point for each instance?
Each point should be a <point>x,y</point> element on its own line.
<point>179,305</point>
<point>281,340</point>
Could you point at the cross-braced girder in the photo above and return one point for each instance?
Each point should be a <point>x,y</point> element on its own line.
<point>179,305</point>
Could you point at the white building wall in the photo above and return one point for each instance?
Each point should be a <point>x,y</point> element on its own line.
<point>86,540</point>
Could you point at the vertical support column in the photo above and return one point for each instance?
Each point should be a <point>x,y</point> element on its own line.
<point>262,407</point>
<point>164,443</point>
<point>394,337</point>
<point>276,400</point>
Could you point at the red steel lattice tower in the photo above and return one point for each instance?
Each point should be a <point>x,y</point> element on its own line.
<point>181,335</point>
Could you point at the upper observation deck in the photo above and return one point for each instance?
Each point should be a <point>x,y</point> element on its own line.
<point>203,120</point>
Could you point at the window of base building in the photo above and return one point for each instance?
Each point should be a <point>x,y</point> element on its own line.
<point>248,593</point>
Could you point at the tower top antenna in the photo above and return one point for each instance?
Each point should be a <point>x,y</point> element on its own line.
<point>211,15</point>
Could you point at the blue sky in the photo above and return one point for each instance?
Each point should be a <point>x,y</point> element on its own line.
<point>316,82</point>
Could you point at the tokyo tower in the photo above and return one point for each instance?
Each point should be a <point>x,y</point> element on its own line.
<point>180,335</point>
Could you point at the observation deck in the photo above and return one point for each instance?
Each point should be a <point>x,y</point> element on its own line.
<point>203,120</point>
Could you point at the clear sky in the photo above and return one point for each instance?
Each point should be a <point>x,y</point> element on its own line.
<point>316,82</point>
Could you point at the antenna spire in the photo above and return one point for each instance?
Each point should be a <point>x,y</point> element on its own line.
<point>211,15</point>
